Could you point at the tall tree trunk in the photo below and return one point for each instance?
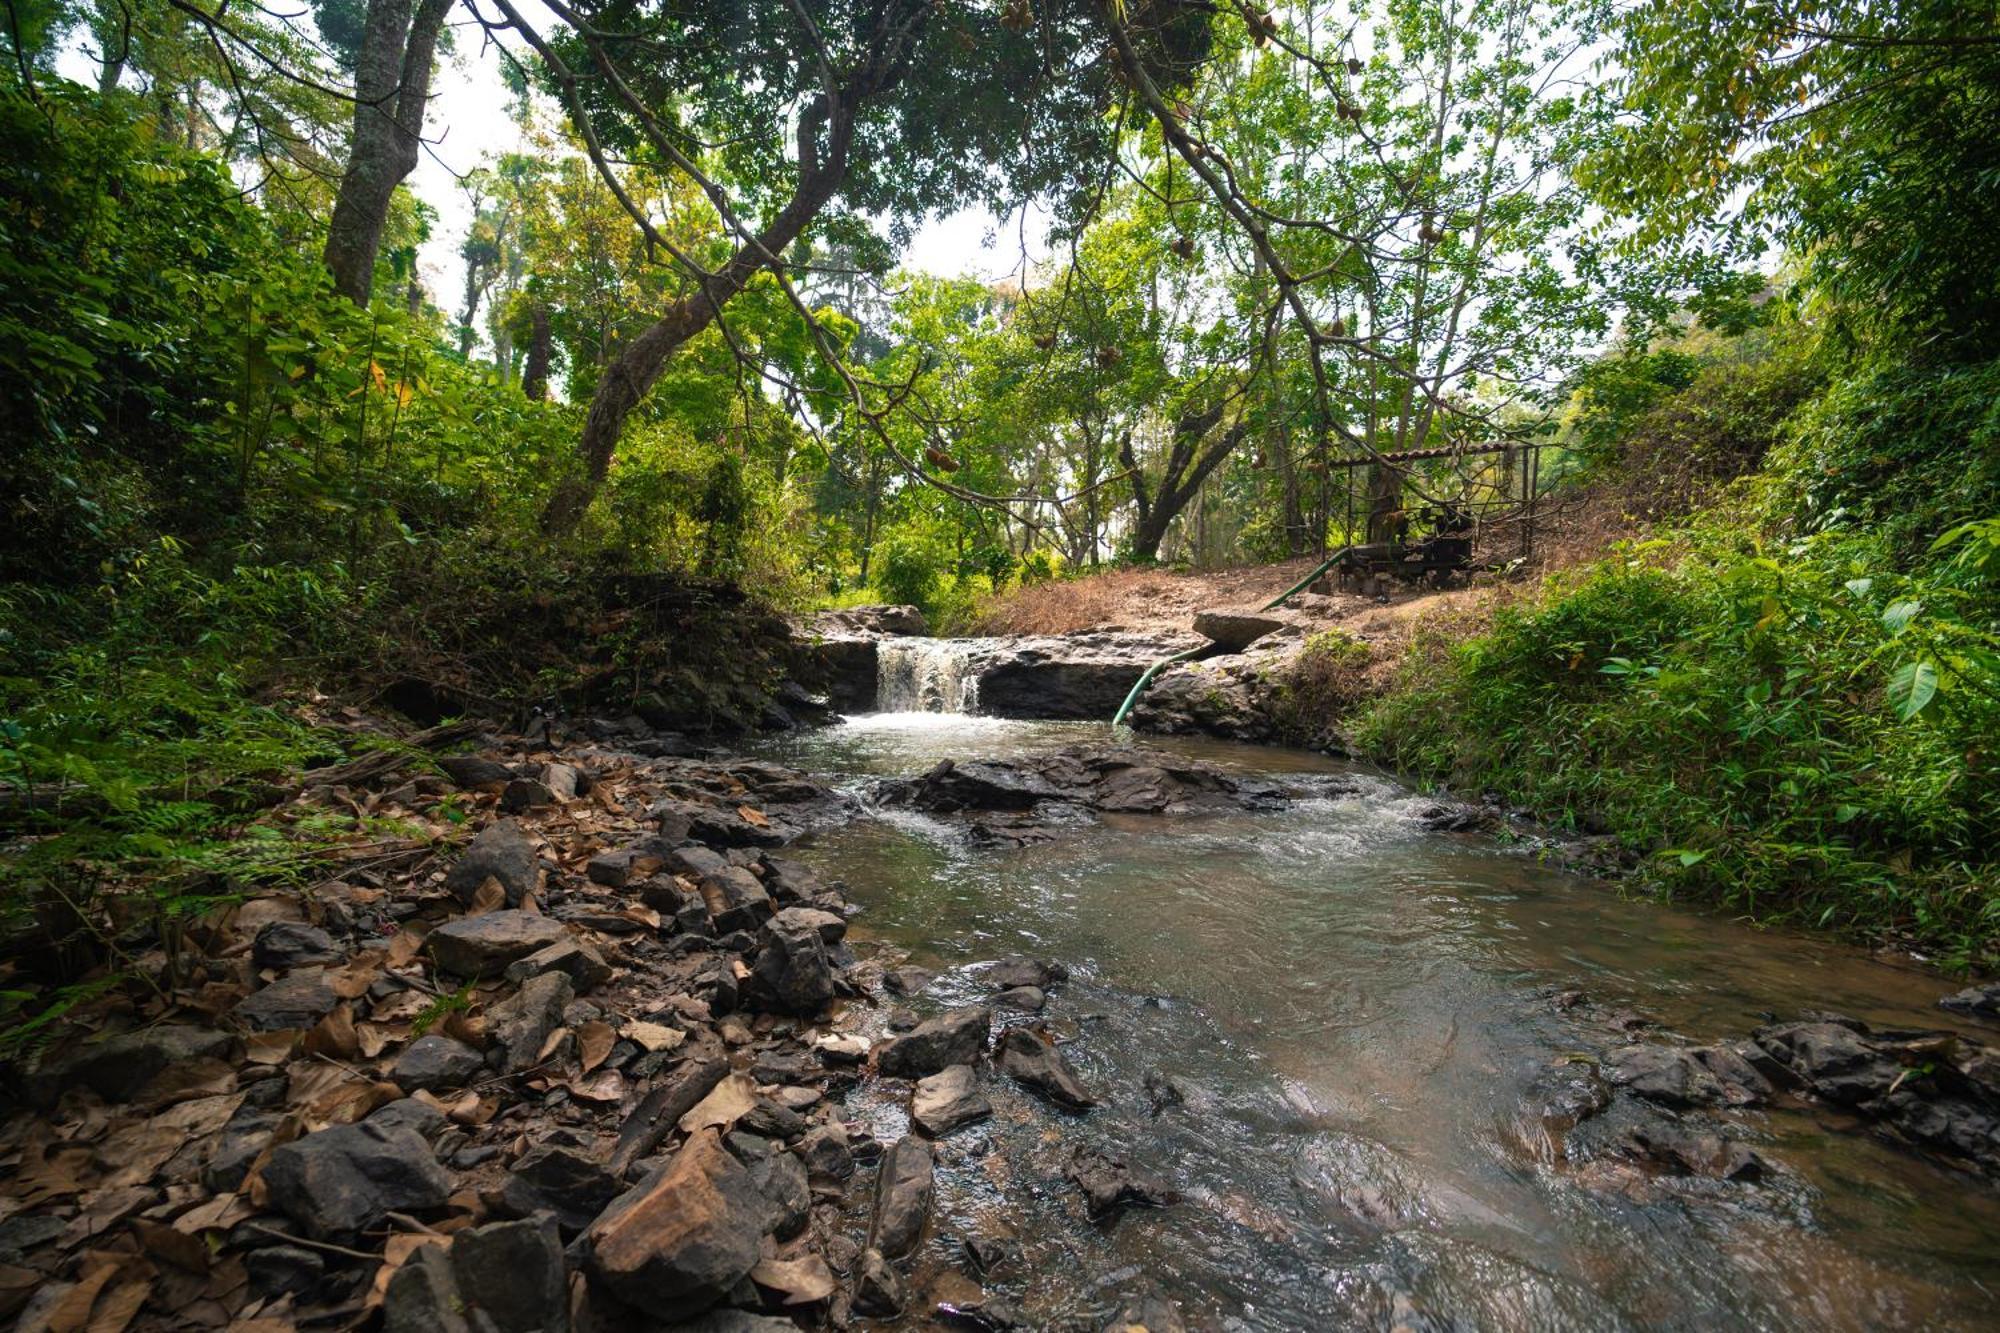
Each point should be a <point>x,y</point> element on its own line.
<point>640,362</point>
<point>392,82</point>
<point>535,375</point>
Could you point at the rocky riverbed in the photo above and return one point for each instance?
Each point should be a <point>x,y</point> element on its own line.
<point>597,1053</point>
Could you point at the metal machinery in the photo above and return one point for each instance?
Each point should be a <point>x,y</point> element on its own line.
<point>1438,540</point>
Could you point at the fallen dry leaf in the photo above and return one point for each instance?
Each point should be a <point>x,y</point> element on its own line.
<point>606,1085</point>
<point>729,1102</point>
<point>752,815</point>
<point>805,1280</point>
<point>397,1253</point>
<point>334,1035</point>
<point>490,896</point>
<point>593,1043</point>
<point>654,1036</point>
<point>271,1048</point>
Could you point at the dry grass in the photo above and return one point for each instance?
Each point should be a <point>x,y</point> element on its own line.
<point>1135,599</point>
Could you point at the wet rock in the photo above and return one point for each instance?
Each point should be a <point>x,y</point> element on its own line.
<point>1975,1001</point>
<point>1150,1313</point>
<point>298,999</point>
<point>288,944</point>
<point>434,1062</point>
<point>340,1181</point>
<point>1662,1074</point>
<point>903,1188</point>
<point>1022,999</point>
<point>1162,1092</point>
<point>520,1025</point>
<point>679,1241</point>
<point>1678,1152</point>
<point>878,1290</point>
<point>1016,971</point>
<point>1564,1097</point>
<point>791,965</point>
<point>1835,1061</point>
<point>482,946</point>
<point>736,899</point>
<point>283,1270</point>
<point>1037,1065</point>
<point>1110,1185</point>
<point>907,980</point>
<point>502,851</point>
<point>1742,1083</point>
<point>955,1038</point>
<point>512,1277</point>
<point>949,1100</point>
<point>982,1313</point>
<point>116,1067</point>
<point>569,1185</point>
<point>574,958</point>
<point>842,1048</point>
<point>985,1256</point>
<point>826,1152</point>
<point>781,1178</point>
<point>473,772</point>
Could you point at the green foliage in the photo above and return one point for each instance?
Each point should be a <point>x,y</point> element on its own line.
<point>1804,734</point>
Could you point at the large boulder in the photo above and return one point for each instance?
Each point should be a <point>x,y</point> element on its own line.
<point>679,1241</point>
<point>343,1180</point>
<point>1234,628</point>
<point>902,1198</point>
<point>482,946</point>
<point>948,1101</point>
<point>936,1044</point>
<point>502,851</point>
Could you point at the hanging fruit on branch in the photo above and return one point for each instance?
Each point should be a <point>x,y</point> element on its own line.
<point>940,460</point>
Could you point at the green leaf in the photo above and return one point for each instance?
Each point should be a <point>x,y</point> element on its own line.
<point>1900,614</point>
<point>1912,687</point>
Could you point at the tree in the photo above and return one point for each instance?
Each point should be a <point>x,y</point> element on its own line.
<point>886,109</point>
<point>392,82</point>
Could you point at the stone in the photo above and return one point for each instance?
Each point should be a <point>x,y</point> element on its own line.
<point>1974,1001</point>
<point>878,1290</point>
<point>411,1114</point>
<point>1662,1074</point>
<point>565,781</point>
<point>574,958</point>
<point>116,1067</point>
<point>1022,999</point>
<point>949,1100</point>
<point>520,1025</point>
<point>299,999</point>
<point>1835,1061</point>
<point>826,1152</point>
<point>1680,1153</point>
<point>620,866</point>
<point>571,1186</point>
<point>677,1243</point>
<point>502,851</point>
<point>237,1148</point>
<point>1153,1313</point>
<point>483,946</point>
<point>954,1038</point>
<point>1037,1065</point>
<point>1235,628</point>
<point>513,1276</point>
<point>1016,970</point>
<point>434,1063</point>
<point>791,964</point>
<point>423,1295</point>
<point>288,944</point>
<point>340,1181</point>
<point>781,1178</point>
<point>283,1270</point>
<point>906,980</point>
<point>1110,1185</point>
<point>832,926</point>
<point>903,1189</point>
<point>525,794</point>
<point>471,772</point>
<point>736,899</point>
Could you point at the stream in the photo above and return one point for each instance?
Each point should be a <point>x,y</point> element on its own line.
<point>1357,1014</point>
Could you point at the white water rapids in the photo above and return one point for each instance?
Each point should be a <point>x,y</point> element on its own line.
<point>919,675</point>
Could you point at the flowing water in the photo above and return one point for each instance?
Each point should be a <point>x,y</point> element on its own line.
<point>1357,1012</point>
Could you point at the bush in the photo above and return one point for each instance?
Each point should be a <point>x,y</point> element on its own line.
<point>908,569</point>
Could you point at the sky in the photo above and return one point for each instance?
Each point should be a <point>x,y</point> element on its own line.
<point>468,124</point>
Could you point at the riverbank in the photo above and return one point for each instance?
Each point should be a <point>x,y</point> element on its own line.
<point>596,1030</point>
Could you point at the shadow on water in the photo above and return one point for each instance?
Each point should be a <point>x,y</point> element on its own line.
<point>1356,1011</point>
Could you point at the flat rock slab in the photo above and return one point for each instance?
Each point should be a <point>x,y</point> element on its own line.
<point>936,1044</point>
<point>482,946</point>
<point>1235,628</point>
<point>949,1101</point>
<point>1040,1067</point>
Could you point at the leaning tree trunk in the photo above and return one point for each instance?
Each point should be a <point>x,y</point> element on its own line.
<point>627,378</point>
<point>392,82</point>
<point>535,375</point>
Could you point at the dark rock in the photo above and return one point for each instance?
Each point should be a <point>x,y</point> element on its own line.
<point>875,619</point>
<point>483,946</point>
<point>1017,970</point>
<point>773,1121</point>
<point>1836,1062</point>
<point>434,1062</point>
<point>524,794</point>
<point>574,958</point>
<point>1977,1001</point>
<point>512,1277</point>
<point>622,865</point>
<point>408,1113</point>
<point>955,1038</point>
<point>696,862</point>
<point>502,851</point>
<point>791,965</point>
<point>1037,1065</point>
<point>423,1296</point>
<point>1565,1096</point>
<point>116,1067</point>
<point>237,1148</point>
<point>1663,1074</point>
<point>949,1100</point>
<point>906,980</point>
<point>673,1097</point>
<point>736,899</point>
<point>299,999</point>
<point>1022,999</point>
<point>1742,1083</point>
<point>343,1180</point>
<point>521,1024</point>
<point>568,1184</point>
<point>679,1241</point>
<point>988,1314</point>
<point>473,772</point>
<point>288,944</point>
<point>985,1256</point>
<point>878,1290</point>
<point>1162,1091</point>
<point>1109,1185</point>
<point>283,1270</point>
<point>826,1152</point>
<point>903,1190</point>
<point>1680,1153</point>
<point>781,1178</point>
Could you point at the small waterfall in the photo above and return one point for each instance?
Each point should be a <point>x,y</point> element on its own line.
<point>916,675</point>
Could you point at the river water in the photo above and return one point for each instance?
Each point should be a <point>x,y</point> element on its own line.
<point>1357,1013</point>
